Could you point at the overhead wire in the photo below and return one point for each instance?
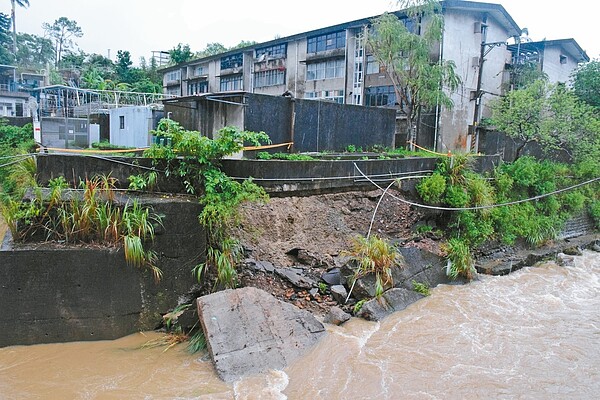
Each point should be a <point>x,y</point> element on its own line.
<point>16,161</point>
<point>482,207</point>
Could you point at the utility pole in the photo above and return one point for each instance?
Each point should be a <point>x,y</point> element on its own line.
<point>485,49</point>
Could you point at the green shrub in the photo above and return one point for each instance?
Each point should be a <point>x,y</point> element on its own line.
<point>16,137</point>
<point>432,188</point>
<point>457,196</point>
<point>195,160</point>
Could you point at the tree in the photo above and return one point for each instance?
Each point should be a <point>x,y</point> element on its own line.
<point>14,3</point>
<point>212,49</point>
<point>5,40</point>
<point>34,51</point>
<point>550,115</point>
<point>403,48</point>
<point>145,85</point>
<point>63,30</point>
<point>180,53</point>
<point>586,83</point>
<point>244,43</point>
<point>92,79</point>
<point>123,66</point>
<point>98,60</point>
<point>73,60</point>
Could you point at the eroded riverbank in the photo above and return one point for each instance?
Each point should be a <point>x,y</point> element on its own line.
<point>531,334</point>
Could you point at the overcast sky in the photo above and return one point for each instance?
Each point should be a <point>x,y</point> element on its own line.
<point>142,26</point>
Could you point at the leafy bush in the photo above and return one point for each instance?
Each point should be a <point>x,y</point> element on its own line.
<point>195,160</point>
<point>432,188</point>
<point>16,137</point>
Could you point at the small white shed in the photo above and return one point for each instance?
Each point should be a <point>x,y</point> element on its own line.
<point>131,126</point>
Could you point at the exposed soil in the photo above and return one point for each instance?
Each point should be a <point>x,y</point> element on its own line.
<point>311,232</point>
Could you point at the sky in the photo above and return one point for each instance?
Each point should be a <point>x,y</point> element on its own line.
<point>143,26</point>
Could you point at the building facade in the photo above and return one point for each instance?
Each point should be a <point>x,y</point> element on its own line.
<point>332,64</point>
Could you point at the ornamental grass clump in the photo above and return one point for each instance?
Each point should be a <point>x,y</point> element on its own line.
<point>376,256</point>
<point>90,217</point>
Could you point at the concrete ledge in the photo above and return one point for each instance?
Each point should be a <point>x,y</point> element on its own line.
<point>276,176</point>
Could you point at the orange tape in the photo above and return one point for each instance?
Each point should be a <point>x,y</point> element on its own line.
<point>271,146</point>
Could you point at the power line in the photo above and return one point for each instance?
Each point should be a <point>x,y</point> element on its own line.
<point>483,206</point>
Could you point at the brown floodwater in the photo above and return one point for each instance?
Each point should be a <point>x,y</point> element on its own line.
<point>534,334</point>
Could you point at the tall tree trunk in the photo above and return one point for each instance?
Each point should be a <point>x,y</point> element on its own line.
<point>520,149</point>
<point>14,24</point>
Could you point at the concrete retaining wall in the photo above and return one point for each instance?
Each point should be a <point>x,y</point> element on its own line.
<point>276,176</point>
<point>51,293</point>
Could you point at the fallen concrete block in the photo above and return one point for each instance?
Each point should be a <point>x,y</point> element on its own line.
<point>248,331</point>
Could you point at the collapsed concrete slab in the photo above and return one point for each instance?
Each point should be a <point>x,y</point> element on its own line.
<point>249,331</point>
<point>393,300</point>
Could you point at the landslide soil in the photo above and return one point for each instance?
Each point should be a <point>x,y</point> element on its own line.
<point>322,226</point>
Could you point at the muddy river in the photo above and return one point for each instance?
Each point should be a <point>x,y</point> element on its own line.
<point>534,334</point>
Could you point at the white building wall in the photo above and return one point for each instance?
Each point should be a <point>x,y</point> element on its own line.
<point>137,123</point>
<point>454,123</point>
<point>552,66</point>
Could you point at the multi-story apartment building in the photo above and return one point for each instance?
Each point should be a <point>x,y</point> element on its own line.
<point>557,59</point>
<point>332,64</point>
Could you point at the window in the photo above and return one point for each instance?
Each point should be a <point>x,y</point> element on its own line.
<point>6,109</point>
<point>197,87</point>
<point>380,96</point>
<point>231,82</point>
<point>232,61</point>
<point>563,59</point>
<point>121,122</point>
<point>276,51</point>
<point>269,78</point>
<point>199,70</point>
<point>326,42</point>
<point>373,66</point>
<point>337,96</point>
<point>173,76</point>
<point>411,26</point>
<point>325,70</point>
<point>173,91</point>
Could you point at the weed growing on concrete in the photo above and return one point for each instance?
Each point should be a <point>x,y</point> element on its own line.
<point>422,288</point>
